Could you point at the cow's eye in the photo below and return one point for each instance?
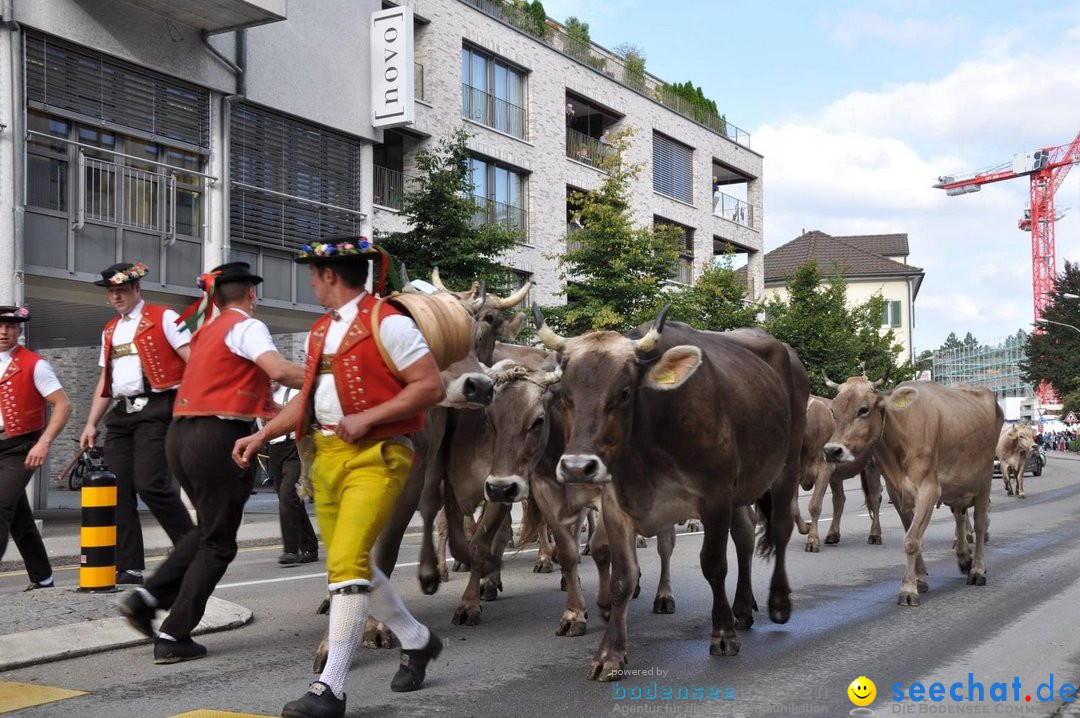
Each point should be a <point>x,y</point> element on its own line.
<point>624,395</point>
<point>538,422</point>
<point>489,319</point>
<point>862,411</point>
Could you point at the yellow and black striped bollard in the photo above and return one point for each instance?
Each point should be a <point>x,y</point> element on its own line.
<point>97,563</point>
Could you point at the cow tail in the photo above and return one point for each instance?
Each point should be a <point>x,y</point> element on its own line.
<point>530,524</point>
<point>765,547</point>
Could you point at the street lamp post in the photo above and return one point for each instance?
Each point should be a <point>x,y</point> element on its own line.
<point>1040,320</point>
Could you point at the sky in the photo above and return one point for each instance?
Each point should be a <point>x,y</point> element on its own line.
<point>858,107</point>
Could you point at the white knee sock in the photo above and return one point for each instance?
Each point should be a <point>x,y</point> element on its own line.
<point>348,614</point>
<point>386,606</point>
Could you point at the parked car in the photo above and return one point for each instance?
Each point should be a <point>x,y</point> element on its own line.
<point>1034,465</point>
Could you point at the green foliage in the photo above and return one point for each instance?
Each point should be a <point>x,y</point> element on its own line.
<point>529,16</point>
<point>701,107</point>
<point>828,336</point>
<point>578,30</point>
<point>440,207</point>
<point>615,274</point>
<point>633,63</point>
<point>1054,353</point>
<point>716,302</point>
<point>578,44</point>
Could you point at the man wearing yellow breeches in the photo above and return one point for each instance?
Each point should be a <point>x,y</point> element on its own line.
<point>361,401</point>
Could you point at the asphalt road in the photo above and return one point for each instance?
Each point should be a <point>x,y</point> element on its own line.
<point>1022,626</point>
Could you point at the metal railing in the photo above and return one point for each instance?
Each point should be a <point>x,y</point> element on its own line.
<point>732,208</point>
<point>486,109</point>
<point>127,196</point>
<point>611,65</point>
<point>587,149</point>
<point>684,272</point>
<point>418,81</point>
<point>505,215</point>
<point>388,187</point>
<point>572,243</point>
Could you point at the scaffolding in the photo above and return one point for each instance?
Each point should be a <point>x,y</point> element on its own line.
<point>994,366</point>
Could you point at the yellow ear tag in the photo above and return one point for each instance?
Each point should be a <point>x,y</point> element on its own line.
<point>666,376</point>
<point>900,402</point>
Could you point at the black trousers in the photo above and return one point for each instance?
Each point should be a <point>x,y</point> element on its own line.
<point>16,517</point>
<point>199,451</point>
<point>135,452</point>
<point>297,534</point>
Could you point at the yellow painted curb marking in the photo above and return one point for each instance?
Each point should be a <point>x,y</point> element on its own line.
<point>16,696</point>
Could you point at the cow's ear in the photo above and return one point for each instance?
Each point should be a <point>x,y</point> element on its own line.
<point>512,327</point>
<point>901,397</point>
<point>674,367</point>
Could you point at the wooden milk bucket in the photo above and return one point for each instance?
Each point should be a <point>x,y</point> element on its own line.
<point>446,325</point>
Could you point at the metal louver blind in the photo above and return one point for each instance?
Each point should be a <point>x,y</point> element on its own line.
<point>64,76</point>
<point>280,154</point>
<point>673,168</point>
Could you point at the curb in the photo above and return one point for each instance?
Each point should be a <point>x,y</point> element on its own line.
<point>44,645</point>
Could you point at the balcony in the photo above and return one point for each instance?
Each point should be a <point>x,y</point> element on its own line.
<point>486,109</point>
<point>587,150</point>
<point>220,15</point>
<point>684,273</point>
<point>387,187</point>
<point>499,213</point>
<point>732,208</point>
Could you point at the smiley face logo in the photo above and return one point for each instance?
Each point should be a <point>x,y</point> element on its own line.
<point>862,691</point>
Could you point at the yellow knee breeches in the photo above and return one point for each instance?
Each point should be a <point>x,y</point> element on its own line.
<point>356,486</point>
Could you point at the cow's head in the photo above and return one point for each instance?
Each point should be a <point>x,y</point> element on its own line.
<point>520,419</point>
<point>861,412</point>
<point>603,373</point>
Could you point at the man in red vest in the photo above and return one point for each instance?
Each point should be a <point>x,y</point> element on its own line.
<point>365,398</point>
<point>225,388</point>
<point>27,384</point>
<point>143,352</point>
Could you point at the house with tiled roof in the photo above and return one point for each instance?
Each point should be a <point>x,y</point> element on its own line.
<point>870,264</point>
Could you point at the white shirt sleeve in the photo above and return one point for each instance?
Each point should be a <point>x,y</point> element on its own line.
<point>177,336</point>
<point>250,339</point>
<point>101,354</point>
<point>402,340</point>
<point>45,380</point>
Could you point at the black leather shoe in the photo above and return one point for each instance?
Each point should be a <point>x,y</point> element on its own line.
<point>139,613</point>
<point>39,584</point>
<point>166,651</point>
<point>307,556</point>
<point>318,702</point>
<point>410,674</point>
<point>288,558</point>
<point>129,577</point>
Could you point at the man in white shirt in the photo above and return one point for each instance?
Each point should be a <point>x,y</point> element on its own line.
<point>27,385</point>
<point>283,464</point>
<point>142,360</point>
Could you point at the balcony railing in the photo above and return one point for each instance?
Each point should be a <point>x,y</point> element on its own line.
<point>611,65</point>
<point>388,187</point>
<point>506,216</point>
<point>418,81</point>
<point>587,149</point>
<point>573,244</point>
<point>127,196</point>
<point>486,109</point>
<point>684,273</point>
<point>728,207</point>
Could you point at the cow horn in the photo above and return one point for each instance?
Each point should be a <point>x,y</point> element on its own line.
<point>514,299</point>
<point>437,280</point>
<point>550,339</point>
<point>882,380</point>
<point>550,377</point>
<point>648,342</point>
<point>406,283</point>
<point>829,382</point>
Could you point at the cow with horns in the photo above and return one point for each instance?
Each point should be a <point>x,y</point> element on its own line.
<point>677,423</point>
<point>935,445</point>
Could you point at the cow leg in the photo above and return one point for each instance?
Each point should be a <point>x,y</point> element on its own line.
<point>601,556</point>
<point>963,549</point>
<point>915,574</point>
<point>802,526</point>
<point>549,499</point>
<point>813,541</point>
<point>590,529</point>
<point>742,534</point>
<point>977,575</point>
<point>871,486</point>
<point>778,528</point>
<point>610,657</point>
<point>482,562</point>
<point>545,556</point>
<point>1020,481</point>
<point>431,500</point>
<point>461,536</point>
<point>665,599</point>
<point>491,583</point>
<point>724,641</point>
<point>443,532</point>
<point>838,499</point>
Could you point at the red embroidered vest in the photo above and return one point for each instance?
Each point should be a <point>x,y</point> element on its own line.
<point>218,382</point>
<point>22,407</point>
<point>361,377</point>
<point>161,364</point>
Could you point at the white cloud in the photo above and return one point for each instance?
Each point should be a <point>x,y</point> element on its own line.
<point>859,27</point>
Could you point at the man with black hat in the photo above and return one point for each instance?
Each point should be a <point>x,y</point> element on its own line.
<point>366,397</point>
<point>27,384</point>
<point>225,388</point>
<point>143,353</point>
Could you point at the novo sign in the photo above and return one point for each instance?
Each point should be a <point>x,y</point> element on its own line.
<point>392,68</point>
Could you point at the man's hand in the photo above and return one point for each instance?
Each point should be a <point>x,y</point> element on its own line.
<point>36,456</point>
<point>352,428</point>
<point>88,438</point>
<point>246,448</point>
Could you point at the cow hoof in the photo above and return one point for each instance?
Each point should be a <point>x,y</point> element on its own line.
<point>543,565</point>
<point>378,636</point>
<point>444,574</point>
<point>971,538</point>
<point>744,621</point>
<point>908,598</point>
<point>570,628</point>
<point>1009,492</point>
<point>976,578</point>
<point>460,567</point>
<point>605,612</point>
<point>693,526</point>
<point>466,616</point>
<point>605,671</point>
<point>874,540</point>
<point>986,538</point>
<point>637,590</point>
<point>663,604</point>
<point>489,592</point>
<point>642,543</point>
<point>812,547</point>
<point>965,565</point>
<point>724,645</point>
<point>324,607</point>
<point>779,609</point>
<point>429,583</point>
<point>832,539</point>
<point>923,585</point>
<point>1021,495</point>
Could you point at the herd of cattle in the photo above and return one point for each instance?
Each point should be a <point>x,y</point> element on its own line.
<point>667,424</point>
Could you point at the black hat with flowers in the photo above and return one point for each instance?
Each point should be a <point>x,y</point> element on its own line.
<point>122,273</point>
<point>17,315</point>
<point>338,249</point>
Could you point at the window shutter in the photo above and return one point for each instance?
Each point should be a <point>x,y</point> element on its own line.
<point>673,168</point>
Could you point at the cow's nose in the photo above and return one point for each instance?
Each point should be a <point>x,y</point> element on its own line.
<point>833,452</point>
<point>500,492</point>
<point>479,390</point>
<point>580,468</point>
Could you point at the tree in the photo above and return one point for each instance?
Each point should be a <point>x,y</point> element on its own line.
<point>716,302</point>
<point>443,213</point>
<point>830,337</point>
<point>1053,352</point>
<point>615,272</point>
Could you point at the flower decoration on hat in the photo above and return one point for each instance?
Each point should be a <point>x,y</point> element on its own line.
<point>19,313</point>
<point>134,272</point>
<point>325,250</point>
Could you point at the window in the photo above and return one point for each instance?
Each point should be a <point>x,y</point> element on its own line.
<point>673,168</point>
<point>492,92</point>
<point>890,316</point>
<point>684,272</point>
<point>47,163</point>
<point>500,195</point>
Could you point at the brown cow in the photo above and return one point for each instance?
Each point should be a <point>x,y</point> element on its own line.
<point>933,444</point>
<point>680,423</point>
<point>1014,448</point>
<point>817,473</point>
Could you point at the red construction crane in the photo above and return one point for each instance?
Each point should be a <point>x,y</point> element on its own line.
<point>1047,168</point>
